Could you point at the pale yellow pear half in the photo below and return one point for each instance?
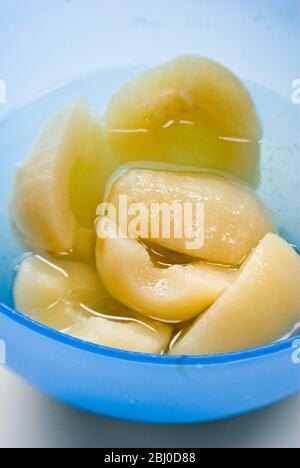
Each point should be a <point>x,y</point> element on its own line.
<point>191,112</point>
<point>57,190</point>
<point>51,291</point>
<point>67,296</point>
<point>177,293</point>
<point>125,335</point>
<point>232,222</point>
<point>262,305</point>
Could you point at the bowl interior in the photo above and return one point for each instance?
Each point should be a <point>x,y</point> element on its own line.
<point>280,155</point>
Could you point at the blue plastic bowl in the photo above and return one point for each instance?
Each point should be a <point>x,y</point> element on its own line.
<point>154,389</point>
<point>157,389</point>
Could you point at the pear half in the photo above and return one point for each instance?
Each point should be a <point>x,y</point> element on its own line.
<point>191,112</point>
<point>262,305</point>
<point>175,294</point>
<point>234,218</point>
<point>57,190</point>
<point>52,292</point>
<point>68,296</point>
<point>125,335</point>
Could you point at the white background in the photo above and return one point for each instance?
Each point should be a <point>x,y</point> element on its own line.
<point>31,420</point>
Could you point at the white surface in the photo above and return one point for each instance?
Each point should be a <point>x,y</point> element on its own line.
<point>31,420</point>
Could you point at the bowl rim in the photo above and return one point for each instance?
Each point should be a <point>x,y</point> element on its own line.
<point>114,353</point>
